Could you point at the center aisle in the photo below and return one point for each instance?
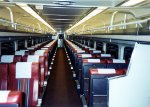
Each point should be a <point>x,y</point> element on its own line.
<point>61,90</point>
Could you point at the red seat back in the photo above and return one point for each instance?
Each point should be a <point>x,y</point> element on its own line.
<point>42,67</point>
<point>12,77</point>
<point>45,54</point>
<point>3,76</point>
<point>30,86</point>
<point>46,62</point>
<point>17,58</point>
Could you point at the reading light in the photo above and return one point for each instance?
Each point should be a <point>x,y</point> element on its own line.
<point>34,14</point>
<point>132,2</point>
<point>90,15</point>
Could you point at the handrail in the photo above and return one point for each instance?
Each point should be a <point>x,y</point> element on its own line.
<point>17,24</point>
<point>11,16</point>
<point>114,14</point>
<point>112,19</point>
<point>124,21</point>
<point>123,24</point>
<point>116,25</point>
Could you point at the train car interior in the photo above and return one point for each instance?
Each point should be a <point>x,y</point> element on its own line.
<point>74,53</point>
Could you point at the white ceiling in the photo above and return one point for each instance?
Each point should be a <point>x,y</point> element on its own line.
<point>62,14</point>
<point>82,3</point>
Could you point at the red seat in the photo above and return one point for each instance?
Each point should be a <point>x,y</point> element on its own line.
<point>104,56</point>
<point>117,64</point>
<point>99,85</point>
<point>31,52</point>
<point>42,69</point>
<point>86,65</point>
<point>95,52</point>
<point>11,58</point>
<point>28,85</point>
<point>7,58</point>
<point>41,61</point>
<point>17,58</point>
<point>107,71</point>
<point>27,53</point>
<point>11,99</point>
<point>21,52</point>
<point>3,76</point>
<point>45,54</point>
<point>46,62</point>
<point>116,61</point>
<point>93,61</point>
<point>12,77</point>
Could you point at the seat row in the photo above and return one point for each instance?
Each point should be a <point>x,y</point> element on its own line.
<point>91,72</point>
<point>25,74</point>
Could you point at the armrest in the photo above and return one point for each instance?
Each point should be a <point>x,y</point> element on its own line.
<point>116,77</point>
<point>12,99</point>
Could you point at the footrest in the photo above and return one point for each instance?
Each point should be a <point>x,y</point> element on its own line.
<point>39,102</point>
<point>45,83</point>
<point>49,73</point>
<point>50,67</point>
<point>78,85</point>
<point>84,103</point>
<point>74,74</point>
<point>71,67</point>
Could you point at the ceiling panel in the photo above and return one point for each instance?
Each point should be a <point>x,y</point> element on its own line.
<point>64,11</point>
<point>63,16</point>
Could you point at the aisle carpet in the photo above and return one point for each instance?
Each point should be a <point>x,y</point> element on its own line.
<point>61,90</point>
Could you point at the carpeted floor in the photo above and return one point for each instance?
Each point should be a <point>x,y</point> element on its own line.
<point>61,90</point>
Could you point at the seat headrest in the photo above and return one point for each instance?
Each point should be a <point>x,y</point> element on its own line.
<point>106,71</point>
<point>96,51</point>
<point>30,48</point>
<point>39,52</point>
<point>86,46</point>
<point>33,58</point>
<point>77,49</point>
<point>23,69</point>
<point>50,44</point>
<point>118,61</point>
<point>85,55</point>
<point>92,49</point>
<point>20,53</point>
<point>7,58</point>
<point>44,48</point>
<point>92,60</point>
<point>80,51</point>
<point>102,71</point>
<point>3,96</point>
<point>105,55</point>
<point>23,50</point>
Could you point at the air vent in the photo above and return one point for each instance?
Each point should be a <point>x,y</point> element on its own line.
<point>64,3</point>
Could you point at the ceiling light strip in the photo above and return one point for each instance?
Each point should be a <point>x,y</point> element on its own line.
<point>60,15</point>
<point>132,2</point>
<point>90,15</point>
<point>34,14</point>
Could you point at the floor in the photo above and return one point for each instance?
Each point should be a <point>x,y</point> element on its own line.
<point>61,90</point>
